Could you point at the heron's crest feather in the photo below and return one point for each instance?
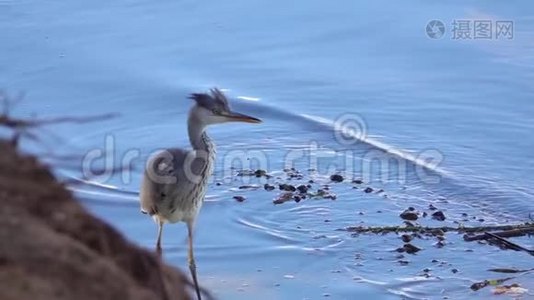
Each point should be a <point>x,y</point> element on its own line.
<point>208,100</point>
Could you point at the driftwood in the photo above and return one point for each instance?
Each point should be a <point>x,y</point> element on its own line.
<point>506,230</point>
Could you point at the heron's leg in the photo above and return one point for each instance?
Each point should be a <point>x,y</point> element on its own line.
<point>158,243</point>
<point>191,258</point>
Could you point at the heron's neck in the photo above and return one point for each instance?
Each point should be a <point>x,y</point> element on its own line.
<point>198,137</point>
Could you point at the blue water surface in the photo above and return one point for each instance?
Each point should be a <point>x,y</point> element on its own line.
<point>304,67</point>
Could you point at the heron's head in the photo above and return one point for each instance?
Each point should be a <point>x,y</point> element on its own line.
<point>213,108</point>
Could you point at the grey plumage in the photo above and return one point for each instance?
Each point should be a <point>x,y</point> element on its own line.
<point>174,184</point>
<point>175,180</point>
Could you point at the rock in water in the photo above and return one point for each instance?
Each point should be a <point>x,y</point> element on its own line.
<point>287,187</point>
<point>409,215</point>
<point>302,189</point>
<point>438,215</point>
<point>336,178</point>
<point>239,198</point>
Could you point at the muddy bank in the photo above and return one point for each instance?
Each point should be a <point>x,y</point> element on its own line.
<point>53,249</point>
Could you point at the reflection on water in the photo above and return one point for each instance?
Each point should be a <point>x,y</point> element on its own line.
<point>300,69</point>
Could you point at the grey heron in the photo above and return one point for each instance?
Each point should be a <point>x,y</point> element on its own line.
<point>175,180</point>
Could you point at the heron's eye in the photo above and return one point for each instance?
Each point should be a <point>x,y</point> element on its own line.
<point>216,111</point>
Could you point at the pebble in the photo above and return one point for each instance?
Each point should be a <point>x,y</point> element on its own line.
<point>287,187</point>
<point>336,178</point>
<point>409,248</point>
<point>406,238</point>
<point>302,188</point>
<point>438,215</point>
<point>439,244</point>
<point>409,215</point>
<point>260,173</point>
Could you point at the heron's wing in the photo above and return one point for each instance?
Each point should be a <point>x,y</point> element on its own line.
<point>170,181</point>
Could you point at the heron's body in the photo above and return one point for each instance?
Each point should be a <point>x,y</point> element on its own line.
<point>175,180</point>
<point>178,196</point>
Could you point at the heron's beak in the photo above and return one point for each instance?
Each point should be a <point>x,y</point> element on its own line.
<point>237,117</point>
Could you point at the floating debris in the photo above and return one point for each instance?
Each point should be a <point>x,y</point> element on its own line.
<point>478,285</point>
<point>357,181</point>
<point>368,190</point>
<point>293,174</point>
<point>268,187</point>
<point>284,197</point>
<point>323,193</point>
<point>257,173</point>
<point>240,198</point>
<point>248,186</point>
<point>245,173</point>
<point>512,290</point>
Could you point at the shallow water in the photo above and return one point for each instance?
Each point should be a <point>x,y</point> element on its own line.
<point>303,69</point>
